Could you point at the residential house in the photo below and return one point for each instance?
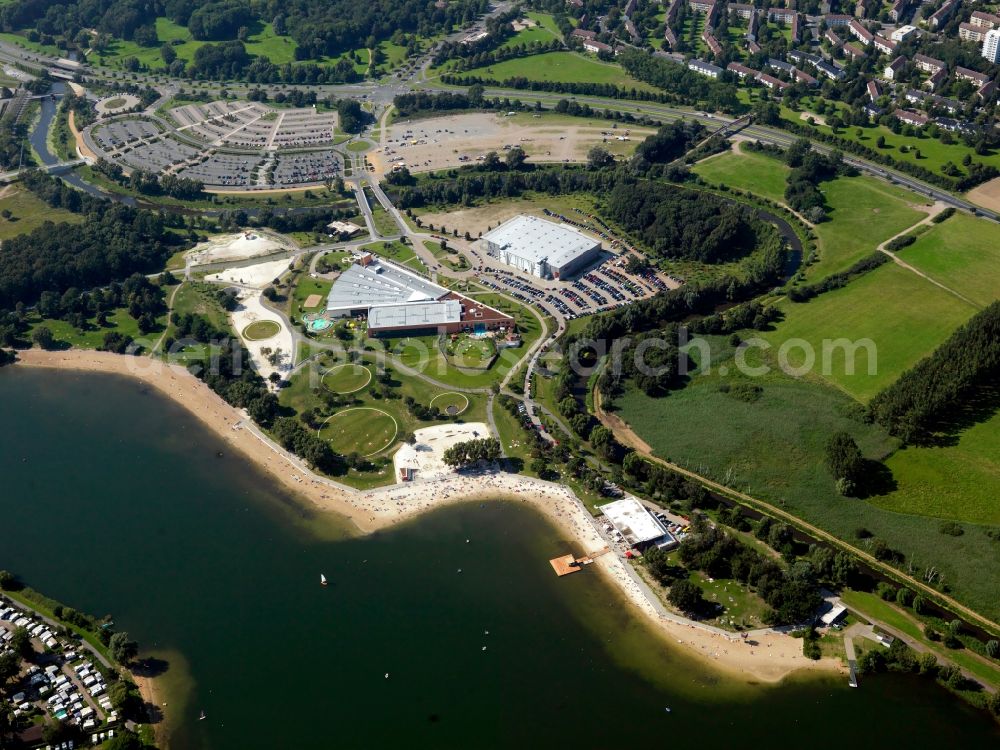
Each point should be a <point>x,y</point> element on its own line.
<point>893,68</point>
<point>835,20</point>
<point>911,118</point>
<point>859,32</point>
<point>775,84</point>
<point>965,74</point>
<point>935,80</point>
<point>928,64</point>
<point>885,46</point>
<point>704,68</point>
<point>711,42</point>
<point>785,15</point>
<point>742,71</point>
<point>874,90</point>
<point>982,20</point>
<point>830,70</point>
<point>742,10</point>
<point>781,66</point>
<point>942,14</point>
<point>853,51</point>
<point>803,77</point>
<point>969,32</point>
<point>903,33</point>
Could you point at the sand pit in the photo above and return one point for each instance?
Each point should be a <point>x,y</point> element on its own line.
<point>445,142</point>
<point>313,300</point>
<point>253,277</point>
<point>426,455</point>
<point>986,195</point>
<point>250,313</point>
<point>239,246</point>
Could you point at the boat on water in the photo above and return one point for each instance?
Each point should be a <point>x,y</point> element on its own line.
<point>202,716</point>
<point>322,579</point>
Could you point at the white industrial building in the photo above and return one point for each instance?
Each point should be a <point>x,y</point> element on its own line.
<point>638,527</point>
<point>541,248</point>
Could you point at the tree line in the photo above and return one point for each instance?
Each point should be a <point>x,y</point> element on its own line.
<point>469,452</point>
<point>937,387</point>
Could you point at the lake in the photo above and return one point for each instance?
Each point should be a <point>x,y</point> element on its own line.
<point>117,501</point>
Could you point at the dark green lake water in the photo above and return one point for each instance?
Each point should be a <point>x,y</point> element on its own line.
<point>114,500</point>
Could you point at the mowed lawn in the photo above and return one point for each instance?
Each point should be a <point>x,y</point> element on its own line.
<point>562,67</point>
<point>903,315</point>
<point>28,212</point>
<point>963,253</point>
<point>758,173</point>
<point>960,481</point>
<point>864,212</point>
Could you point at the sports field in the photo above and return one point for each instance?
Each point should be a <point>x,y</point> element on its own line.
<point>904,316</point>
<point>348,378</point>
<point>363,430</point>
<point>963,253</point>
<point>760,174</point>
<point>562,67</point>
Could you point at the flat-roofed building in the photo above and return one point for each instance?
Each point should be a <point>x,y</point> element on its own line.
<point>638,527</point>
<point>541,248</point>
<point>395,300</point>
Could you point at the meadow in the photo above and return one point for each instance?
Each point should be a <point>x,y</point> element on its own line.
<point>963,253</point>
<point>774,448</point>
<point>561,67</point>
<point>28,212</point>
<point>862,212</point>
<point>904,316</point>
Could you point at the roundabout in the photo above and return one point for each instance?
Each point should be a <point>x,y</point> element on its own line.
<point>450,403</point>
<point>116,104</point>
<point>363,429</point>
<point>347,378</point>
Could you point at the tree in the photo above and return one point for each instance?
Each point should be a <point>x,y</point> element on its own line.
<point>20,643</point>
<point>8,581</point>
<point>686,596</point>
<point>124,740</point>
<point>844,460</point>
<point>515,158</point>
<point>122,649</point>
<point>10,665</point>
<point>43,337</point>
<point>168,53</point>
<point>993,648</point>
<point>599,157</point>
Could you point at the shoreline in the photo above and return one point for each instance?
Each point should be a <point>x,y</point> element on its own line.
<point>773,656</point>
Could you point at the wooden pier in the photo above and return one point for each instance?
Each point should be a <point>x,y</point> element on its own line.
<point>567,564</point>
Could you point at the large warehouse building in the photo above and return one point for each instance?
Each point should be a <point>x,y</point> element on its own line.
<point>541,248</point>
<point>398,301</point>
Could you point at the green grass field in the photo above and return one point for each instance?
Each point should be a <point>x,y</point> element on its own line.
<point>28,212</point>
<point>763,175</point>
<point>562,67</point>
<point>260,330</point>
<point>364,430</point>
<point>774,449</point>
<point>349,378</point>
<point>863,212</point>
<point>903,315</point>
<point>450,403</point>
<point>92,336</point>
<point>960,481</point>
<point>963,253</point>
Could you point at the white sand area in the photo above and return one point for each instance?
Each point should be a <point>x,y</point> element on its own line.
<point>250,311</point>
<point>426,456</point>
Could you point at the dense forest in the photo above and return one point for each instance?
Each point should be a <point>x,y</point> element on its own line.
<point>676,223</point>
<point>320,28</point>
<point>55,257</point>
<point>938,389</point>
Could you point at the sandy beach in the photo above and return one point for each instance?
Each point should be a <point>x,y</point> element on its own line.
<point>766,656</point>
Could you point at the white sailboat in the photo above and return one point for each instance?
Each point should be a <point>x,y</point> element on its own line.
<point>322,579</point>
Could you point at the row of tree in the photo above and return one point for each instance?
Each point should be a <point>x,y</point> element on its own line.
<point>944,384</point>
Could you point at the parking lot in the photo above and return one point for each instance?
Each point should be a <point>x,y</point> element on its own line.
<point>304,169</point>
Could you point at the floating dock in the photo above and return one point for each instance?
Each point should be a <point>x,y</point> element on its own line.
<point>567,564</point>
